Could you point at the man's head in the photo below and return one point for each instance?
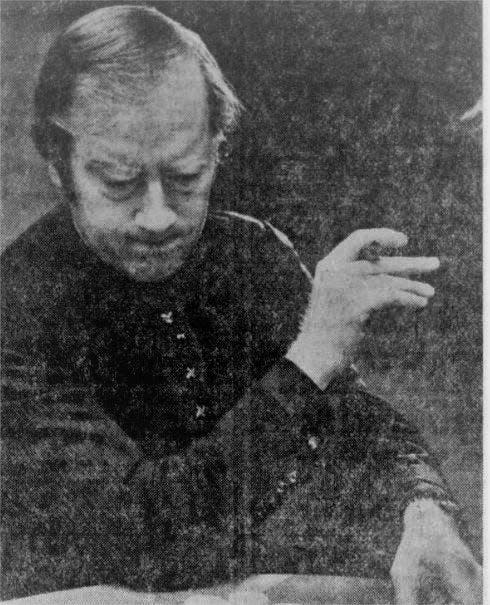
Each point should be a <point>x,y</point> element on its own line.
<point>130,111</point>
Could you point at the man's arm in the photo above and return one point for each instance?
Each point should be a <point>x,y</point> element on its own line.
<point>82,504</point>
<point>345,290</point>
<point>87,490</point>
<point>75,483</point>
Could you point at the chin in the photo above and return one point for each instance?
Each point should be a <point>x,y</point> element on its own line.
<point>142,271</point>
<point>141,266</point>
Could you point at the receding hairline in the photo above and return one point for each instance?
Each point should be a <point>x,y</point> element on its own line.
<point>89,114</point>
<point>126,56</point>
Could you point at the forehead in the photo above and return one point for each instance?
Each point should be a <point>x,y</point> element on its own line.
<point>170,118</point>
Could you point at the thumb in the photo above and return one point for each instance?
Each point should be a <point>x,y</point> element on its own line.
<point>349,249</point>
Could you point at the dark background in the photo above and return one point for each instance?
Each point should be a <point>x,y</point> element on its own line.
<point>352,121</point>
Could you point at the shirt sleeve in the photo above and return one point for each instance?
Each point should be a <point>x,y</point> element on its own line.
<point>378,428</point>
<point>82,504</point>
<point>345,417</point>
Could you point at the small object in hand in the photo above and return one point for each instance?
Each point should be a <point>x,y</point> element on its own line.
<point>371,252</point>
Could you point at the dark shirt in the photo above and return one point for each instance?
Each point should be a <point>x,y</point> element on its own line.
<point>154,434</point>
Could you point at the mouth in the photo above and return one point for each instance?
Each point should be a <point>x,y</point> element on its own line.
<point>144,246</point>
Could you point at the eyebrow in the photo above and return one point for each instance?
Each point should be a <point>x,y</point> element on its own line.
<point>190,168</point>
<point>126,165</point>
<point>119,163</point>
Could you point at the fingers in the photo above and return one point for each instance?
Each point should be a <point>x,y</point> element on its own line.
<point>407,285</point>
<point>386,290</point>
<point>466,579</point>
<point>398,265</point>
<point>349,249</point>
<point>399,297</point>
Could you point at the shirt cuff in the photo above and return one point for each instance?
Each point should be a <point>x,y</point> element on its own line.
<point>290,387</point>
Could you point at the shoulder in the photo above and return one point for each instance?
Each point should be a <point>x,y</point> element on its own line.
<point>41,249</point>
<point>259,244</point>
<point>254,269</point>
<point>37,272</point>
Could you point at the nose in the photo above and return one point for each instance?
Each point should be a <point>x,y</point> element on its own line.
<point>155,214</point>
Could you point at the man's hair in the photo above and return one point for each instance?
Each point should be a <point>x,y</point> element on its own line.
<point>115,54</point>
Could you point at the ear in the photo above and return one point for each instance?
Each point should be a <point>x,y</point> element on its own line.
<point>53,175</point>
<point>219,144</point>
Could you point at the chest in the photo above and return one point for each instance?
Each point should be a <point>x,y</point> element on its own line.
<point>166,369</point>
<point>166,364</point>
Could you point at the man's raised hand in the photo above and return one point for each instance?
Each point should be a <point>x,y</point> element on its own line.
<point>345,291</point>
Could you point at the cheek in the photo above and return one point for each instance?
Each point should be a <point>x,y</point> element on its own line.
<point>96,211</point>
<point>101,219</point>
<point>196,211</point>
<point>197,206</point>
<point>107,217</point>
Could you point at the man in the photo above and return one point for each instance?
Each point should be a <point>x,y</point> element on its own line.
<point>179,407</point>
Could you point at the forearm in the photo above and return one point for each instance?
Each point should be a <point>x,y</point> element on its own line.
<point>91,489</point>
<point>374,428</point>
<point>243,467</point>
<point>269,440</point>
<point>393,437</point>
<point>87,487</point>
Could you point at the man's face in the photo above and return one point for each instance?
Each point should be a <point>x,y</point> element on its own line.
<point>141,182</point>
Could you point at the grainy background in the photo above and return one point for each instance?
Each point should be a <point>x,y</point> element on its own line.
<point>353,121</point>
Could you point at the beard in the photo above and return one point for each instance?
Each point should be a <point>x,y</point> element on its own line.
<point>138,260</point>
<point>156,264</point>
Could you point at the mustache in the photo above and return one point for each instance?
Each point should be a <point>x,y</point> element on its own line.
<point>157,239</point>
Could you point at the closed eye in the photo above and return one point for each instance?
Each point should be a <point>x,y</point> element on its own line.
<point>186,179</point>
<point>120,184</point>
<point>122,188</point>
<point>185,183</point>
